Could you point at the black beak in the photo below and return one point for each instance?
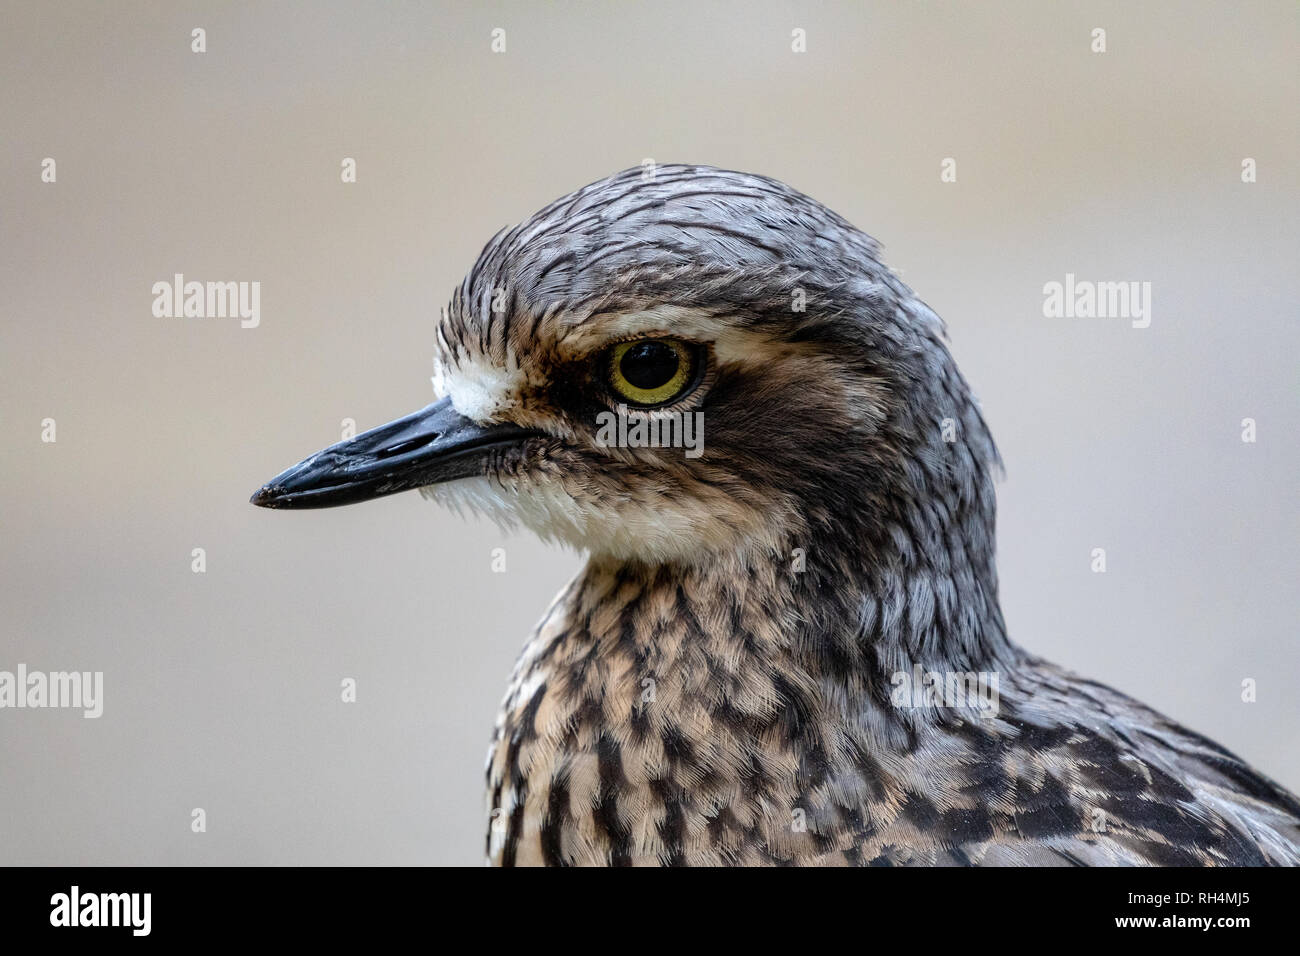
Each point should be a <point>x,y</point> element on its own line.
<point>434,444</point>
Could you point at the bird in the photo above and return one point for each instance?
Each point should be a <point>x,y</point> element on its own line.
<point>785,646</point>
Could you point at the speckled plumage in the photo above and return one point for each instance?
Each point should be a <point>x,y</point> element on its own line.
<point>715,686</point>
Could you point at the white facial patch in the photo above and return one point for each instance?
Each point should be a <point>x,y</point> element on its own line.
<point>479,388</point>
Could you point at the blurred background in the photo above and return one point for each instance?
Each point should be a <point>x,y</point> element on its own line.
<point>222,688</point>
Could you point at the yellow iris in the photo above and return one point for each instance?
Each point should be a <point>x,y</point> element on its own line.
<point>650,371</point>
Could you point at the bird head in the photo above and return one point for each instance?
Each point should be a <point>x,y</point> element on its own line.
<point>677,363</point>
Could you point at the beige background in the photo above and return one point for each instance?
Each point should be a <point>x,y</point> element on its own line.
<point>222,689</point>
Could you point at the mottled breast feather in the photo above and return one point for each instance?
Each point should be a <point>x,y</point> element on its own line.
<point>682,729</point>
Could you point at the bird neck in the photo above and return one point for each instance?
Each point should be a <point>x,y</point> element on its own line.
<point>815,629</point>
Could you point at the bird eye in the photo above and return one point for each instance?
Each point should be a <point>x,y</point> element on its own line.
<point>652,371</point>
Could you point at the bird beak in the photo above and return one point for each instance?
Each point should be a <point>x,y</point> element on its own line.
<point>435,444</point>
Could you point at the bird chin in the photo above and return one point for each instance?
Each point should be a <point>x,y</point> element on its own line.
<point>474,497</point>
<point>548,512</point>
<point>621,534</point>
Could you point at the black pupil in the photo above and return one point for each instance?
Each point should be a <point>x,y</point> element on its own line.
<point>649,364</point>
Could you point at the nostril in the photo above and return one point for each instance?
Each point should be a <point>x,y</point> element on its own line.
<point>401,448</point>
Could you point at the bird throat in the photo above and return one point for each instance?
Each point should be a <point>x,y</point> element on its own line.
<point>728,675</point>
